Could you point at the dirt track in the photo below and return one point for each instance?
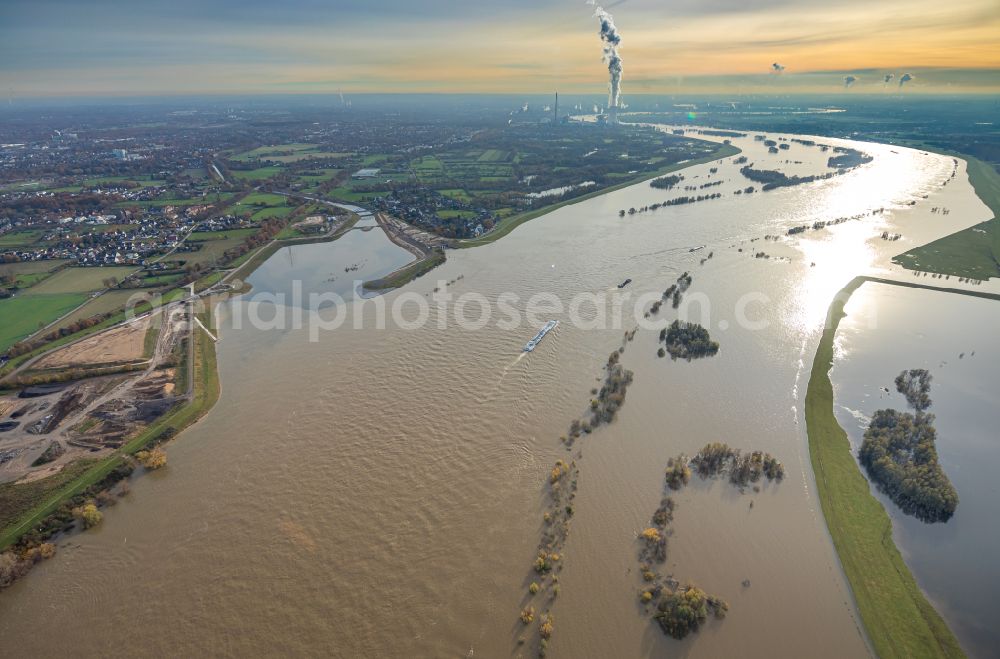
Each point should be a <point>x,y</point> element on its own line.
<point>114,346</point>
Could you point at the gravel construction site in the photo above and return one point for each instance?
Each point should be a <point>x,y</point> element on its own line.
<point>118,345</point>
<point>44,427</point>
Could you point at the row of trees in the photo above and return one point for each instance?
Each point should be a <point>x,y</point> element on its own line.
<point>743,468</point>
<point>666,182</point>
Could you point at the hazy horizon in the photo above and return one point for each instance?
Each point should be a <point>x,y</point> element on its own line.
<point>111,47</point>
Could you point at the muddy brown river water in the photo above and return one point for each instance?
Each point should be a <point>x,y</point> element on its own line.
<point>380,492</point>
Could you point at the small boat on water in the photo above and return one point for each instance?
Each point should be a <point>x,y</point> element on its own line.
<point>695,249</point>
<point>625,283</point>
<point>549,326</point>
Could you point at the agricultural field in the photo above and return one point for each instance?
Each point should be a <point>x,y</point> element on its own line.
<point>158,280</point>
<point>256,200</point>
<point>111,301</point>
<point>349,194</point>
<point>144,182</point>
<point>19,238</point>
<point>79,280</point>
<point>262,206</point>
<point>259,174</point>
<point>271,212</point>
<point>186,201</point>
<point>198,236</point>
<point>211,252</point>
<point>28,273</point>
<point>285,153</point>
<point>22,315</point>
<point>449,214</point>
<point>315,178</point>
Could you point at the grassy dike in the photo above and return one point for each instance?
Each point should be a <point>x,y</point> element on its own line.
<point>897,616</point>
<point>407,273</point>
<point>508,225</point>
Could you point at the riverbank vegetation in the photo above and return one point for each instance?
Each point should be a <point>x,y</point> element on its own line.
<point>561,487</point>
<point>688,341</point>
<point>685,609</point>
<point>772,179</point>
<point>717,458</point>
<point>900,455</point>
<point>897,616</point>
<point>666,182</point>
<point>915,384</point>
<point>677,609</point>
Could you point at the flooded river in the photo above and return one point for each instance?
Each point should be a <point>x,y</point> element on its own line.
<point>380,492</point>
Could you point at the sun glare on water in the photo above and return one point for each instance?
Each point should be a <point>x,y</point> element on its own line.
<point>839,253</point>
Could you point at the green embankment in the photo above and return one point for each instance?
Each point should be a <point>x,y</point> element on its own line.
<point>899,619</point>
<point>972,252</point>
<point>509,224</point>
<point>407,273</point>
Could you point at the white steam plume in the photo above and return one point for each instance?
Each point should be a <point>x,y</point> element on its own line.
<point>612,40</point>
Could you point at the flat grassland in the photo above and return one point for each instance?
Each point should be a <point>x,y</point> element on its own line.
<point>259,174</point>
<point>199,236</point>
<point>22,315</point>
<point>29,273</point>
<point>972,252</point>
<point>21,238</point>
<point>286,153</point>
<point>80,280</point>
<point>899,619</point>
<point>112,300</point>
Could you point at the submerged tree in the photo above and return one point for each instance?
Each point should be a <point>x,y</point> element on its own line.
<point>684,610</point>
<point>900,456</point>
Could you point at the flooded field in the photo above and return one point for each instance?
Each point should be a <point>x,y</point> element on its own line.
<point>889,329</point>
<point>379,492</point>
